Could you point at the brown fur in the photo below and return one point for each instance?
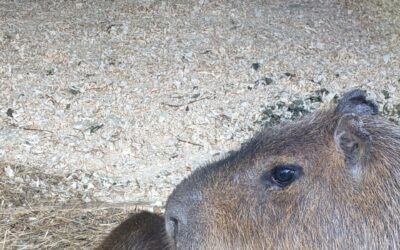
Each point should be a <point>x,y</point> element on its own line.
<point>328,209</point>
<point>347,196</point>
<point>142,231</point>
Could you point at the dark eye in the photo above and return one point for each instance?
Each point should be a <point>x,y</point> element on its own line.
<point>283,175</point>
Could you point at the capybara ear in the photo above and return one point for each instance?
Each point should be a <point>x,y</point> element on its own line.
<point>356,102</point>
<point>354,141</point>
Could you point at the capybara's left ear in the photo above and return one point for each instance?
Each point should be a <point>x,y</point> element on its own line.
<point>356,102</point>
<point>354,141</point>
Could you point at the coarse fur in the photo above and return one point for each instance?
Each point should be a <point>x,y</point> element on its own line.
<point>346,196</point>
<point>144,230</point>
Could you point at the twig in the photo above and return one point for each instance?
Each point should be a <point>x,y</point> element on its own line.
<point>36,129</point>
<point>203,98</point>
<point>193,143</point>
<point>172,105</point>
<point>184,104</point>
<point>30,129</point>
<point>4,240</point>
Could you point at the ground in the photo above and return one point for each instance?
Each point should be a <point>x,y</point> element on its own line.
<point>106,105</point>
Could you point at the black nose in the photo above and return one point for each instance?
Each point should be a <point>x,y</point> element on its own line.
<point>181,211</point>
<point>176,217</point>
<point>172,227</point>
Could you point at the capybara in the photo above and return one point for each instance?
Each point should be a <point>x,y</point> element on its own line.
<point>143,230</point>
<point>328,181</point>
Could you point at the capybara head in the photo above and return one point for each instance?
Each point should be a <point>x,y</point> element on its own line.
<point>328,181</point>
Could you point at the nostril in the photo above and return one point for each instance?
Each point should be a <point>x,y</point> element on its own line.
<point>172,227</point>
<point>177,211</point>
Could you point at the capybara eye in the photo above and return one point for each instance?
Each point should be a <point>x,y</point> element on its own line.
<point>283,175</point>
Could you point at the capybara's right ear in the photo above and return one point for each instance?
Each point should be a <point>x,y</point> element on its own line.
<point>356,102</point>
<point>354,141</point>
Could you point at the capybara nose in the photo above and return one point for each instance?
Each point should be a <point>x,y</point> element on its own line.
<point>172,224</point>
<point>181,211</point>
<point>175,218</point>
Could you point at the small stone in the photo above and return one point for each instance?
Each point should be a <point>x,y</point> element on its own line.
<point>255,66</point>
<point>50,72</point>
<point>74,90</point>
<point>9,172</point>
<point>386,94</point>
<point>297,108</point>
<point>10,112</point>
<point>94,128</point>
<point>290,75</point>
<point>264,81</point>
<point>268,80</point>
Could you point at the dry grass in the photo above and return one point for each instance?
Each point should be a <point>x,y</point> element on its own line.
<point>54,228</point>
<point>41,211</point>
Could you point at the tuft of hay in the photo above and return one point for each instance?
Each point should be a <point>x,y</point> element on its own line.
<point>55,228</point>
<point>43,211</point>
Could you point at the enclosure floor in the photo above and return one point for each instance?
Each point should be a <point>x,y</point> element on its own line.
<point>106,105</point>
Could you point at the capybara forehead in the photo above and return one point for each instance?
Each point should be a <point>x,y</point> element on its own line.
<point>305,139</point>
<point>301,138</point>
<point>312,131</point>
